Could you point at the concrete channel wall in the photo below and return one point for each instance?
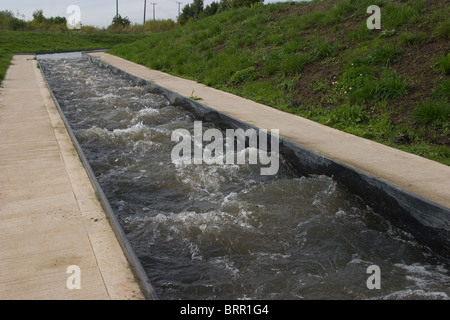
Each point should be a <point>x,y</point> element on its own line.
<point>427,220</point>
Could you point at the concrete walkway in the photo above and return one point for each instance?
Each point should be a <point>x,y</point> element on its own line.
<point>421,176</point>
<point>50,217</point>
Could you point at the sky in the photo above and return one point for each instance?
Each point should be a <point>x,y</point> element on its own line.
<point>99,13</point>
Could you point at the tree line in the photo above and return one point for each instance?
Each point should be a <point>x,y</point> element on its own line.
<point>12,22</point>
<point>119,24</point>
<point>197,10</point>
<point>191,12</point>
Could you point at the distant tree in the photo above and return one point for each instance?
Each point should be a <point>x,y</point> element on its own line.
<point>120,22</point>
<point>17,24</point>
<point>210,9</point>
<point>185,14</point>
<point>6,14</point>
<point>191,12</point>
<point>5,18</point>
<point>57,20</point>
<point>38,16</point>
<point>228,4</point>
<point>196,10</point>
<point>9,21</point>
<point>244,3</point>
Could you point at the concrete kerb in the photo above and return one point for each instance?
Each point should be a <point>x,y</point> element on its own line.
<point>428,221</point>
<point>135,265</point>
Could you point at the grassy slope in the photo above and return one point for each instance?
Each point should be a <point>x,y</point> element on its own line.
<point>28,41</point>
<point>320,61</point>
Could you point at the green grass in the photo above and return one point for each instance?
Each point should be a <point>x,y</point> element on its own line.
<point>443,64</point>
<point>432,113</point>
<point>423,149</point>
<point>383,55</point>
<point>5,58</point>
<point>323,48</point>
<point>247,74</point>
<point>389,86</point>
<point>293,64</point>
<point>271,54</point>
<point>348,116</point>
<point>41,41</point>
<point>411,39</point>
<point>442,90</point>
<point>442,29</point>
<point>394,14</point>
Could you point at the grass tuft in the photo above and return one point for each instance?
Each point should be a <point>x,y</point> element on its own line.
<point>348,115</point>
<point>432,113</point>
<point>442,90</point>
<point>247,74</point>
<point>442,64</point>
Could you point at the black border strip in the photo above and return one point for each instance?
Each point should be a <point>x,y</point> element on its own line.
<point>136,267</point>
<point>427,221</point>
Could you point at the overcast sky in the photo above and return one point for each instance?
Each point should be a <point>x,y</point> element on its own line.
<point>100,12</point>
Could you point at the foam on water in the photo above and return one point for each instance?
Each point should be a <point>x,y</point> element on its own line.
<point>61,56</point>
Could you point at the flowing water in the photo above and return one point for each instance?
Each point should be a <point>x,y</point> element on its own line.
<point>225,231</point>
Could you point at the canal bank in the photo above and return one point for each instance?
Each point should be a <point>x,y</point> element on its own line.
<point>56,241</point>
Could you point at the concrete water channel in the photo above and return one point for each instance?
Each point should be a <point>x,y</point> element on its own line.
<point>225,231</point>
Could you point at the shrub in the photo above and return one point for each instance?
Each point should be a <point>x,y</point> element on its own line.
<point>120,22</point>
